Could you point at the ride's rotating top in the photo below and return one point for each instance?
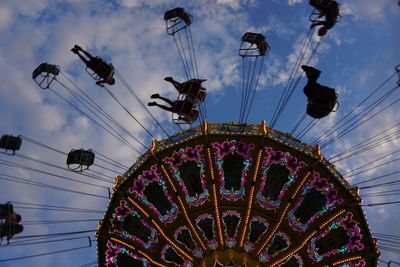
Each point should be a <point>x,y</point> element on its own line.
<point>228,194</point>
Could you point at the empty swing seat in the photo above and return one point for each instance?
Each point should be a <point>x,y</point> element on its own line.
<point>9,142</point>
<point>44,74</point>
<point>176,19</point>
<point>81,158</point>
<point>256,39</point>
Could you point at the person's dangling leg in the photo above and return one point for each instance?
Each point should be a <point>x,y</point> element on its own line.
<point>309,90</point>
<point>312,76</point>
<point>90,57</point>
<point>162,98</point>
<point>177,85</point>
<point>83,59</point>
<point>160,106</point>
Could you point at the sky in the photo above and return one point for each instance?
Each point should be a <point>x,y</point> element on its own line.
<point>355,57</point>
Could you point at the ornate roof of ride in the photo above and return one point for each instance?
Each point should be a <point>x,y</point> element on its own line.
<point>224,194</point>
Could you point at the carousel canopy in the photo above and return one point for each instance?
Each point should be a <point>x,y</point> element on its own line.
<point>227,194</point>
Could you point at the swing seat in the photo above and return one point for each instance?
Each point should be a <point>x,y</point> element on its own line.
<point>187,112</point>
<point>44,74</point>
<point>186,118</point>
<point>80,158</point>
<point>186,107</point>
<point>253,45</point>
<point>177,19</point>
<point>9,142</point>
<point>195,90</point>
<point>101,70</point>
<point>323,104</point>
<point>316,16</point>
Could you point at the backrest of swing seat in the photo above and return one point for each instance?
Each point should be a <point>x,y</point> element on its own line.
<point>177,13</point>
<point>323,4</point>
<point>47,68</point>
<point>81,157</point>
<point>201,96</point>
<point>194,114</point>
<point>256,39</point>
<point>253,38</point>
<point>38,70</point>
<point>88,157</point>
<point>174,13</point>
<point>10,142</point>
<point>262,48</point>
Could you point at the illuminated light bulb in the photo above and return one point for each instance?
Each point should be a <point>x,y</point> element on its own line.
<point>190,223</point>
<point>138,207</point>
<point>169,241</point>
<point>293,251</point>
<point>168,178</point>
<point>346,260</point>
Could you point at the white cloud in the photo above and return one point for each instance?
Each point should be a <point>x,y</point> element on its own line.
<point>231,3</point>
<point>293,2</point>
<point>6,17</point>
<point>369,9</point>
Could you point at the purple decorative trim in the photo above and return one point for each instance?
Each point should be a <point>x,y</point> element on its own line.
<point>139,185</point>
<point>353,233</point>
<point>112,255</point>
<point>231,240</point>
<point>233,147</point>
<point>184,155</point>
<point>163,251</point>
<point>249,246</point>
<point>265,256</point>
<point>284,159</point>
<point>213,242</point>
<point>360,263</point>
<point>119,216</point>
<point>327,189</point>
<point>297,257</point>
<point>197,252</point>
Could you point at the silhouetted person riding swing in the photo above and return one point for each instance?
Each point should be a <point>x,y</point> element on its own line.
<point>104,71</point>
<point>329,9</point>
<point>321,99</point>
<point>184,108</point>
<point>10,226</point>
<point>7,213</point>
<point>190,92</point>
<point>192,88</point>
<point>9,230</point>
